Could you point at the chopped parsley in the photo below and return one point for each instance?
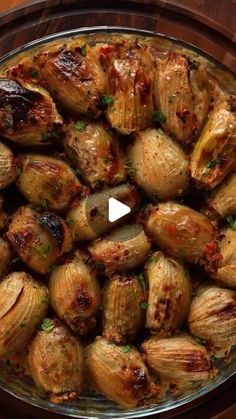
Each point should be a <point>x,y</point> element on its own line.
<point>16,259</point>
<point>53,267</point>
<point>193,293</point>
<point>83,50</point>
<point>142,281</point>
<point>44,300</point>
<point>144,305</point>
<point>159,116</point>
<point>44,249</point>
<point>19,171</point>
<point>213,163</point>
<point>140,277</point>
<point>107,160</point>
<point>45,204</point>
<point>22,325</point>
<point>49,135</point>
<point>170,99</point>
<point>100,266</point>
<point>157,380</point>
<point>70,221</point>
<point>77,172</point>
<point>152,259</point>
<point>154,198</point>
<point>200,341</point>
<point>129,169</point>
<point>95,212</point>
<point>106,100</point>
<point>231,221</point>
<point>80,126</point>
<point>47,325</point>
<point>34,74</point>
<point>126,348</point>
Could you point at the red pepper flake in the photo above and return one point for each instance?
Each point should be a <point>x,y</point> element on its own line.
<point>182,115</point>
<point>106,50</point>
<point>212,256</point>
<point>169,228</point>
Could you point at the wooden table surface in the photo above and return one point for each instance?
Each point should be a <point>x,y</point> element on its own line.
<point>224,13</point>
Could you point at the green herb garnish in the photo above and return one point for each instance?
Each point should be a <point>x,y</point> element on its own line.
<point>107,160</point>
<point>22,325</point>
<point>151,259</point>
<point>200,341</point>
<point>157,380</point>
<point>34,74</point>
<point>53,267</point>
<point>126,348</point>
<point>170,99</point>
<point>100,266</point>
<point>129,169</point>
<point>140,277</point>
<point>159,116</point>
<point>77,172</point>
<point>213,163</point>
<point>45,204</point>
<point>49,135</point>
<point>70,221</point>
<point>83,50</point>
<point>19,171</point>
<point>232,222</point>
<point>154,198</point>
<point>80,126</point>
<point>16,259</point>
<point>44,249</point>
<point>95,212</point>
<point>193,293</point>
<point>106,100</point>
<point>44,300</point>
<point>47,325</point>
<point>144,305</point>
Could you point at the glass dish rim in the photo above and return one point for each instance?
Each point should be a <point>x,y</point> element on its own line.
<point>146,410</point>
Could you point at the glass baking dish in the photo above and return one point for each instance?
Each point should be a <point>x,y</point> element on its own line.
<point>92,405</point>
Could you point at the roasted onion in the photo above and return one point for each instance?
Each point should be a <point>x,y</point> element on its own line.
<point>8,170</point>
<point>56,361</point>
<point>76,81</point>
<point>169,294</point>
<point>119,373</point>
<point>223,201</point>
<point>180,230</point>
<point>122,249</point>
<point>130,91</point>
<point>75,295</point>
<point>28,115</point>
<point>181,96</point>
<point>3,215</point>
<point>47,181</point>
<point>95,152</point>
<point>159,165</point>
<point>88,218</point>
<point>226,269</point>
<point>39,238</point>
<point>122,308</point>
<point>179,361</point>
<point>212,318</point>
<point>5,256</point>
<point>24,305</point>
<point>214,155</point>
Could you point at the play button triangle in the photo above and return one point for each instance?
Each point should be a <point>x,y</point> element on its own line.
<point>116,210</point>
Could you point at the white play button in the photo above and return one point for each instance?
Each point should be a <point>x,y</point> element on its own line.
<point>116,210</point>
